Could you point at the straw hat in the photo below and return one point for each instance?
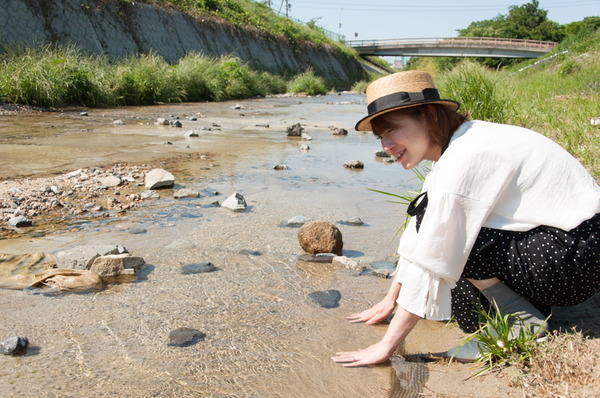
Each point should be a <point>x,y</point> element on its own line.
<point>401,90</point>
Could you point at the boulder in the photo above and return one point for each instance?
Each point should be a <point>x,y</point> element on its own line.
<point>339,131</point>
<point>295,130</point>
<point>159,178</point>
<point>235,202</point>
<point>117,268</point>
<point>320,237</point>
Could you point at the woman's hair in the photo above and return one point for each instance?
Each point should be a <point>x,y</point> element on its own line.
<point>440,120</point>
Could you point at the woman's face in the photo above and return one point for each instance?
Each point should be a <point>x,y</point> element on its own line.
<point>408,140</point>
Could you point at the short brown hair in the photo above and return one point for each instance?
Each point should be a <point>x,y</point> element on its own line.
<point>441,121</point>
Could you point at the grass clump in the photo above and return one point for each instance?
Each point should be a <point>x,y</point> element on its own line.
<point>308,82</point>
<point>480,91</point>
<point>502,345</point>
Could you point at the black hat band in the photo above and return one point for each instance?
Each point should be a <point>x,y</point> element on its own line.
<point>402,98</point>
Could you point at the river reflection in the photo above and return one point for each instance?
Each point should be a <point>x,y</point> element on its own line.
<point>264,336</point>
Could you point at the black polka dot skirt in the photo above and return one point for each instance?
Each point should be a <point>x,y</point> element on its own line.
<point>548,266</point>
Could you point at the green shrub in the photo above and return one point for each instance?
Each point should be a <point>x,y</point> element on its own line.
<point>308,82</point>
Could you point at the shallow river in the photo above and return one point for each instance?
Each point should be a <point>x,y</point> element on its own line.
<point>264,336</point>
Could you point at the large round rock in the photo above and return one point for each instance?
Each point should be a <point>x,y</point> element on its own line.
<point>320,237</point>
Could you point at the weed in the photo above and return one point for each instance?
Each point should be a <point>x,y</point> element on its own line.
<point>501,344</point>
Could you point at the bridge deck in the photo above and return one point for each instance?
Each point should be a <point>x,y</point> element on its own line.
<point>454,46</point>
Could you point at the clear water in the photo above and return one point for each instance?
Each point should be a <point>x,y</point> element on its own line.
<point>264,336</point>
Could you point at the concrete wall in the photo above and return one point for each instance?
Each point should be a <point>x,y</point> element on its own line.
<point>118,28</point>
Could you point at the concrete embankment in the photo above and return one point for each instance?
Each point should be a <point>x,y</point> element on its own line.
<point>117,29</point>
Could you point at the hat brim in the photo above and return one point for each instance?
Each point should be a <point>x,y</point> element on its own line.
<point>364,124</point>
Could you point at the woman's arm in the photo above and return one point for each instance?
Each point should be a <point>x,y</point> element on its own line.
<point>401,325</point>
<point>380,311</point>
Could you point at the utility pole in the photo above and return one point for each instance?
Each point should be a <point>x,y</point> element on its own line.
<point>340,23</point>
<point>287,6</point>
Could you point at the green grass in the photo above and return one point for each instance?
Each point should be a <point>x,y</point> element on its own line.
<point>60,76</point>
<point>499,344</point>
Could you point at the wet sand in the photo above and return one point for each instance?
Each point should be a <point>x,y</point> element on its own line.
<point>264,336</point>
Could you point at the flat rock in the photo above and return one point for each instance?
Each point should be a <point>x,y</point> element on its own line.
<point>185,193</point>
<point>296,221</point>
<point>327,299</point>
<point>318,258</point>
<point>347,263</point>
<point>159,178</point>
<point>82,257</point>
<point>110,181</point>
<point>149,194</point>
<point>356,221</point>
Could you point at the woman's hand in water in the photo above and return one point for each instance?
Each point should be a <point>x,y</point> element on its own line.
<point>378,313</point>
<point>377,353</point>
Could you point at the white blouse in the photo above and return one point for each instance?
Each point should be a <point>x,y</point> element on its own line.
<point>495,176</point>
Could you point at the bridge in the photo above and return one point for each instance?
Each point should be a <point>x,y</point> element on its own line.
<point>489,47</point>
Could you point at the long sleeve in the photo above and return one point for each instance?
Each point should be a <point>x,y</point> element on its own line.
<point>493,176</point>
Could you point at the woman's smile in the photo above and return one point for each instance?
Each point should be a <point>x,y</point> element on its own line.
<point>408,141</point>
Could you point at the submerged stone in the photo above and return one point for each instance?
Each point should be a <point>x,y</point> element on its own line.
<point>185,337</point>
<point>198,268</point>
<point>327,299</point>
<point>318,258</point>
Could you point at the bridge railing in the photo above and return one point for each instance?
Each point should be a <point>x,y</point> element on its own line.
<point>455,41</point>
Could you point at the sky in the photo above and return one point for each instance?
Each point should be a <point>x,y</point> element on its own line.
<point>396,19</point>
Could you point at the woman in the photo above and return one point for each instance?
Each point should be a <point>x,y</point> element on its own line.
<point>504,212</point>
